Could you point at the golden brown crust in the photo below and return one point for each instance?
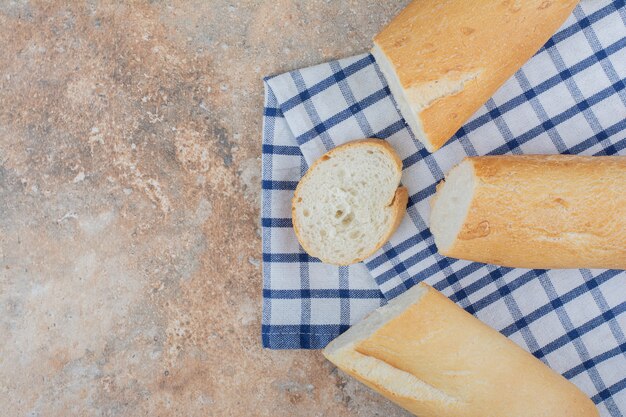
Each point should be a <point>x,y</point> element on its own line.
<point>399,200</point>
<point>546,211</point>
<point>474,370</point>
<point>465,50</point>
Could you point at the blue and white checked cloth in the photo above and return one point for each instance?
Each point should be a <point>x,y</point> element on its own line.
<point>569,98</point>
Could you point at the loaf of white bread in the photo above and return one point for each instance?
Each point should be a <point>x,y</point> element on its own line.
<point>433,358</point>
<point>534,211</point>
<point>444,59</point>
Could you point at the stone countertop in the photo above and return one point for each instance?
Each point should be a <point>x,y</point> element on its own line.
<point>130,141</point>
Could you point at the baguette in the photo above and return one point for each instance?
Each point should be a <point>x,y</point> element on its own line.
<point>445,59</point>
<point>434,359</point>
<point>349,202</point>
<point>534,211</point>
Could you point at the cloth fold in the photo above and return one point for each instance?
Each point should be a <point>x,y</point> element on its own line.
<point>569,98</point>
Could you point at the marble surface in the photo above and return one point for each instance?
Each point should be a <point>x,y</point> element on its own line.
<point>130,140</point>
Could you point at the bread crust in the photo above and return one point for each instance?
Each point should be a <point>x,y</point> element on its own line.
<point>464,367</point>
<point>451,56</point>
<point>546,211</point>
<point>398,202</point>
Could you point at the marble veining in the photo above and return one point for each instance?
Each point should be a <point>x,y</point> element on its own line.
<point>129,206</point>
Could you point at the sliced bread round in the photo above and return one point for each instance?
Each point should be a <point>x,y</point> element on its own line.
<point>349,202</point>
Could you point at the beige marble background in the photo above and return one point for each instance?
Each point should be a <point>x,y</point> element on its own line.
<point>130,140</point>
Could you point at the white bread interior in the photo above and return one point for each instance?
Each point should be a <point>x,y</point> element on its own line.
<point>452,204</point>
<point>349,202</point>
<point>409,111</point>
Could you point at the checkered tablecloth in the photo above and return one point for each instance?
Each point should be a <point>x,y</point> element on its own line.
<point>569,98</point>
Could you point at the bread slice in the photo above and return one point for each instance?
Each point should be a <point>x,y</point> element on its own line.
<point>349,202</point>
<point>534,211</point>
<point>434,359</point>
<point>443,60</point>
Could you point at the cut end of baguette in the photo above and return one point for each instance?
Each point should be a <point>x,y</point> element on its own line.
<point>349,203</point>
<point>408,112</point>
<point>393,382</point>
<point>451,205</point>
<point>375,320</point>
